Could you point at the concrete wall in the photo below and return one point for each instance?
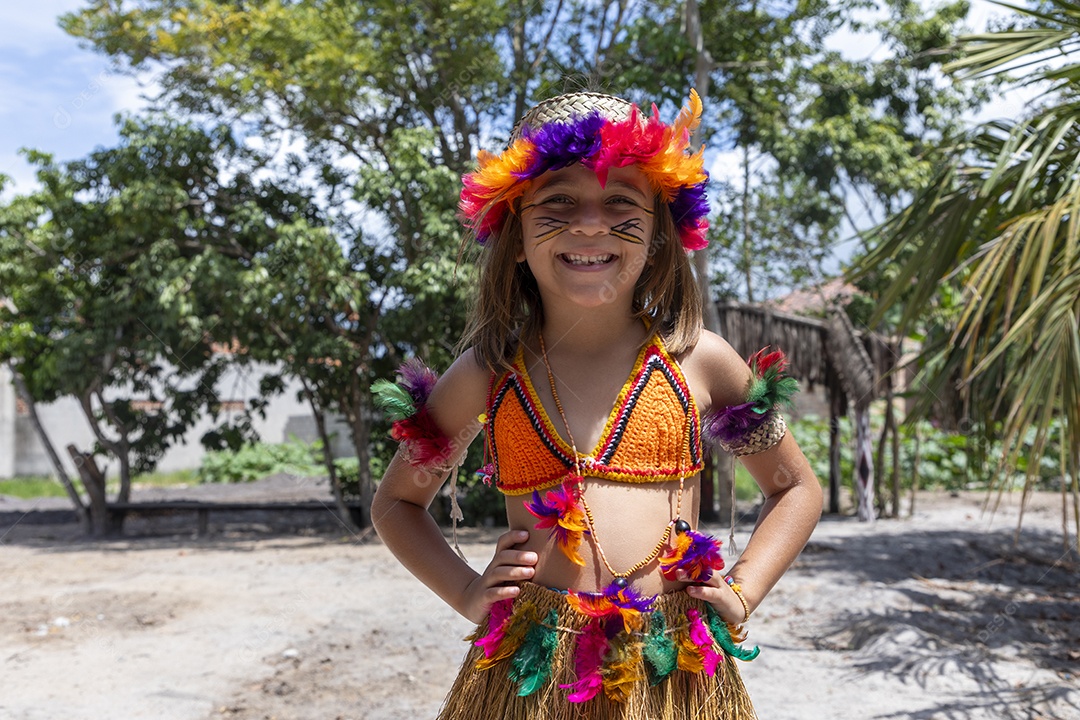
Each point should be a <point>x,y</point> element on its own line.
<point>7,424</point>
<point>21,452</point>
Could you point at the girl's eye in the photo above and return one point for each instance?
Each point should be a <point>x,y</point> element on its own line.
<point>557,200</point>
<point>620,200</point>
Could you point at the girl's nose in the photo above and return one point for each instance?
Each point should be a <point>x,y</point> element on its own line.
<point>589,220</point>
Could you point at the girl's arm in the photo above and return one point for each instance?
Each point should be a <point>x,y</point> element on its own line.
<point>792,492</point>
<point>399,509</point>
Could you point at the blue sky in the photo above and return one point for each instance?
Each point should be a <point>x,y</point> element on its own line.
<point>61,98</point>
<point>54,95</point>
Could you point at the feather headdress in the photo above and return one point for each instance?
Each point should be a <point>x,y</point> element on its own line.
<point>600,132</point>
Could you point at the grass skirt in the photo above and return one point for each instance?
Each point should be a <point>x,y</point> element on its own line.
<point>538,658</point>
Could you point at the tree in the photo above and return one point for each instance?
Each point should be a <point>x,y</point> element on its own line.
<point>385,102</point>
<point>996,222</point>
<point>121,272</point>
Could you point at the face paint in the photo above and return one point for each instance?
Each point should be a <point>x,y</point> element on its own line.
<point>630,231</point>
<point>550,227</point>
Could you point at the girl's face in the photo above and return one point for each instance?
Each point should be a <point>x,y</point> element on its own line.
<point>585,243</point>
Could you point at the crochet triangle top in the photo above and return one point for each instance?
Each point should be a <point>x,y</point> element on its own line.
<point>652,434</point>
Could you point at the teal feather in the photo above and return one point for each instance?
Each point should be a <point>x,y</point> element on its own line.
<point>660,652</point>
<point>723,638</point>
<point>530,667</point>
<point>393,399</point>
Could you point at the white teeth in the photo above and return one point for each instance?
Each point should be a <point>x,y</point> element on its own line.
<point>587,259</point>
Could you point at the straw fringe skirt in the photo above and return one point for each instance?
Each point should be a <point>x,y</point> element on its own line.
<point>532,678</point>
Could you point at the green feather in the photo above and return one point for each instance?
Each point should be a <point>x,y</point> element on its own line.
<point>530,667</point>
<point>659,651</point>
<point>723,638</point>
<point>393,398</point>
<point>771,391</point>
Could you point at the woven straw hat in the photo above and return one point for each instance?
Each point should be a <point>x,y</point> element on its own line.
<point>573,105</point>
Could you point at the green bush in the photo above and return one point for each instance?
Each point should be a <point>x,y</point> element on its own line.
<point>947,460</point>
<point>256,461</point>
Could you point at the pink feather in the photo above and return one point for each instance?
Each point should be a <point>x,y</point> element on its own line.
<point>588,661</point>
<point>699,635</point>
<point>497,619</point>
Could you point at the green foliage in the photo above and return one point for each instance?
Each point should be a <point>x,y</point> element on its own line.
<point>48,486</point>
<point>32,487</point>
<point>996,222</point>
<point>948,460</point>
<point>123,270</point>
<point>257,460</point>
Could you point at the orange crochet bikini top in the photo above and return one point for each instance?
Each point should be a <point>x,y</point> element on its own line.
<point>652,434</point>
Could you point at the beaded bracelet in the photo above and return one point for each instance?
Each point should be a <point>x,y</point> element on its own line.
<point>737,589</point>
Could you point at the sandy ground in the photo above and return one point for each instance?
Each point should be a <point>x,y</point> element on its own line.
<point>935,617</point>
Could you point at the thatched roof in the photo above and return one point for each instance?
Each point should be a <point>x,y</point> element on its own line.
<point>748,328</point>
<point>826,352</point>
<point>850,358</point>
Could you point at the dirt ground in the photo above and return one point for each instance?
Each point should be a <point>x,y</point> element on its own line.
<point>935,617</point>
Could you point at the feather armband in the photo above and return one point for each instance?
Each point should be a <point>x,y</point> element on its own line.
<point>405,403</point>
<point>756,424</point>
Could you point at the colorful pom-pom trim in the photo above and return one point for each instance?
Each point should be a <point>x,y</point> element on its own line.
<point>658,150</point>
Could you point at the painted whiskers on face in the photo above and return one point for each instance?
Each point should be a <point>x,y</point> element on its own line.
<point>551,227</point>
<point>631,230</point>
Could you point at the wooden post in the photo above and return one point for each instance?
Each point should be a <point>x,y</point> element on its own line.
<point>864,463</point>
<point>836,410</point>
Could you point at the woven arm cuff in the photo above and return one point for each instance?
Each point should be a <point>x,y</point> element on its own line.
<point>760,439</point>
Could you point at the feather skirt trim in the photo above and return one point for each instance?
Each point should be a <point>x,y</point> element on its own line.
<point>557,663</point>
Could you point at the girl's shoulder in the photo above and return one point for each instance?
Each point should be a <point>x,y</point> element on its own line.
<point>718,376</point>
<point>460,394</point>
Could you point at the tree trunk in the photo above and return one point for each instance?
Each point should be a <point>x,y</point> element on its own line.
<point>717,473</point>
<point>102,522</point>
<point>914,473</point>
<point>360,425</point>
<point>708,489</point>
<point>65,480</point>
<point>748,240</point>
<point>328,460</point>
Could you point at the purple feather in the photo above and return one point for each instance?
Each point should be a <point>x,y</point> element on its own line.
<point>626,598</point>
<point>729,424</point>
<point>704,552</point>
<point>417,379</point>
<point>560,145</point>
<point>689,205</point>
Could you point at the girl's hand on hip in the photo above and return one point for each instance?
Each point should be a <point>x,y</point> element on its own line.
<point>717,593</point>
<point>499,580</point>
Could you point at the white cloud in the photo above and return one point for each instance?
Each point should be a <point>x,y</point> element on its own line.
<point>30,28</point>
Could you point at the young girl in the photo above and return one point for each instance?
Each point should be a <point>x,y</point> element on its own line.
<point>595,385</point>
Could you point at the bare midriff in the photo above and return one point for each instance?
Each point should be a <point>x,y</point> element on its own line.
<point>630,519</point>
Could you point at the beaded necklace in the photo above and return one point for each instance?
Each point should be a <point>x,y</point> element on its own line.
<point>577,489</point>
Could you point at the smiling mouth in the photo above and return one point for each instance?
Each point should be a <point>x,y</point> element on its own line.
<point>587,259</point>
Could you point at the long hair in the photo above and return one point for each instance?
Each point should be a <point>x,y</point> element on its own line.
<point>508,307</point>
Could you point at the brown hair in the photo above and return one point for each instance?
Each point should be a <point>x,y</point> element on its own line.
<point>507,304</point>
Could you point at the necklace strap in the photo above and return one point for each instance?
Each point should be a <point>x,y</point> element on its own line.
<point>580,489</point>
